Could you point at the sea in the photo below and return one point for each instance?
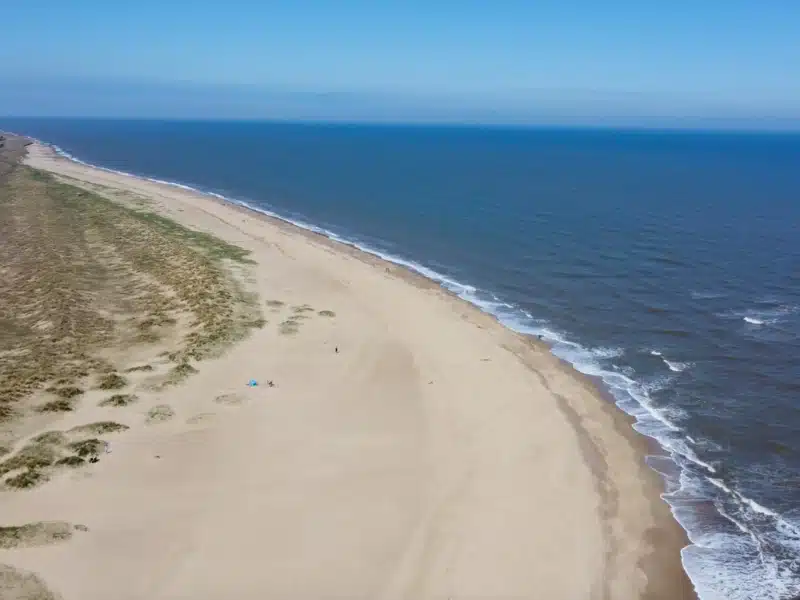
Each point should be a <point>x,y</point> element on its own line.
<point>666,264</point>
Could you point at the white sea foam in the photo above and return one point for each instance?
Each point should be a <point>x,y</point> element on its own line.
<point>708,560</point>
<point>674,366</point>
<point>677,367</point>
<point>762,316</point>
<point>753,565</point>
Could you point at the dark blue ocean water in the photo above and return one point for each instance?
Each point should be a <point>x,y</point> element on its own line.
<point>668,264</point>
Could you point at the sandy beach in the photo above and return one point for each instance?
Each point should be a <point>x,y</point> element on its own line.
<point>410,447</point>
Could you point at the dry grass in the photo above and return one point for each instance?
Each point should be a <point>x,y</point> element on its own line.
<point>119,400</point>
<point>98,428</point>
<point>67,392</point>
<point>79,273</point>
<point>27,479</point>
<point>112,381</point>
<point>70,461</point>
<point>140,369</point>
<point>35,455</point>
<point>55,406</point>
<point>16,584</point>
<point>87,448</point>
<point>326,313</point>
<point>180,372</point>
<point>41,456</point>
<point>51,438</point>
<point>41,533</point>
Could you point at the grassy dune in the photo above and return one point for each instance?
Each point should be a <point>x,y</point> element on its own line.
<point>81,273</point>
<point>84,280</point>
<point>95,295</point>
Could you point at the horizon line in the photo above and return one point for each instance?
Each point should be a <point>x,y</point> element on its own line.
<point>731,126</point>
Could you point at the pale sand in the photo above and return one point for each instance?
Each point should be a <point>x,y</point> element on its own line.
<point>437,455</point>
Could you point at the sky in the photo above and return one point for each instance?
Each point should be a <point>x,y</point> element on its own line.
<point>515,61</point>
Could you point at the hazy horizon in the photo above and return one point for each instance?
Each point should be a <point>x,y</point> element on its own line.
<point>720,65</point>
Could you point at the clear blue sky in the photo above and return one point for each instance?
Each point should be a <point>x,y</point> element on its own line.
<point>512,60</point>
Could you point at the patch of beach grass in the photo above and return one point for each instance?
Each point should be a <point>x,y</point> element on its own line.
<point>82,274</point>
<point>87,448</point>
<point>98,428</point>
<point>56,406</point>
<point>71,462</point>
<point>27,479</point>
<point>68,392</point>
<point>34,455</point>
<point>112,381</point>
<point>211,246</point>
<point>41,533</point>
<point>275,303</point>
<point>16,584</point>
<point>326,313</point>
<point>140,369</point>
<point>52,438</point>
<point>160,413</point>
<point>303,308</point>
<point>179,373</point>
<point>32,464</point>
<point>119,400</point>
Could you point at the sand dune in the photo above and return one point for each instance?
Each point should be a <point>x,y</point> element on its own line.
<point>435,455</point>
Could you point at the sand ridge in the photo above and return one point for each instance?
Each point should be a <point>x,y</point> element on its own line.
<point>435,455</point>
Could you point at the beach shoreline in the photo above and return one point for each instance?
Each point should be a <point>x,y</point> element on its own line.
<point>632,542</point>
